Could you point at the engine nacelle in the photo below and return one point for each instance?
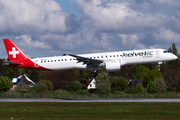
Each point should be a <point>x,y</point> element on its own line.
<point>113,66</point>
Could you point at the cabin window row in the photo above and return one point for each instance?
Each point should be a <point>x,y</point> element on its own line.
<point>106,56</point>
<point>47,61</point>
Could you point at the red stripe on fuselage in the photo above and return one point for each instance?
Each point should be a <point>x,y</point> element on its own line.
<point>29,64</point>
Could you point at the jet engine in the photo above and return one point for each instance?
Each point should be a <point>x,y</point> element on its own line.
<point>113,66</point>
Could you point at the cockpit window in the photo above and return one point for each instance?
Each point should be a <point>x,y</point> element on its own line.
<point>166,52</point>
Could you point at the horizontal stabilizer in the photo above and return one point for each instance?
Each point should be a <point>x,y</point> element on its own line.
<point>10,63</point>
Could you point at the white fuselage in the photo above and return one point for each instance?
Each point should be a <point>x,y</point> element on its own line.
<point>124,57</point>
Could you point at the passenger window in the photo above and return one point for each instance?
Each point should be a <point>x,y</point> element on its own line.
<point>110,55</point>
<point>65,59</point>
<point>98,57</point>
<point>51,60</point>
<point>62,60</point>
<point>48,60</point>
<point>94,57</point>
<point>41,61</point>
<point>113,55</point>
<point>58,60</point>
<point>101,56</point>
<point>117,55</point>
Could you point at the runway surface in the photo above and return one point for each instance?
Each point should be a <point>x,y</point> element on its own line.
<point>88,100</point>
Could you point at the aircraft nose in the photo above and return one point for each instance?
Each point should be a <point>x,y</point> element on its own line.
<point>175,57</point>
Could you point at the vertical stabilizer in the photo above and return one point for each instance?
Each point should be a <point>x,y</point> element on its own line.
<point>14,53</point>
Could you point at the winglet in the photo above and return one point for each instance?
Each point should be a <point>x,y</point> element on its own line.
<point>14,53</point>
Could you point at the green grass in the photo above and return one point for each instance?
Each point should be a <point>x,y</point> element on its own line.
<point>90,110</point>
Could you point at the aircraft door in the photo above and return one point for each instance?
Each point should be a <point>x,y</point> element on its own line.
<point>157,54</point>
<point>36,63</point>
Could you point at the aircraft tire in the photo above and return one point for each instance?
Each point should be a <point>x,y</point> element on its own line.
<point>93,74</point>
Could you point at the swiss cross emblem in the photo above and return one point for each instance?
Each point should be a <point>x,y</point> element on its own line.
<point>13,52</point>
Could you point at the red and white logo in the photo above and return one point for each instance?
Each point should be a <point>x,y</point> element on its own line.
<point>13,52</point>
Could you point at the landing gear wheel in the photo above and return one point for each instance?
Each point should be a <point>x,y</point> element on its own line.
<point>93,74</point>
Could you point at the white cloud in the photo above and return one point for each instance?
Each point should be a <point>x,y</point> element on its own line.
<point>141,46</point>
<point>168,3</point>
<point>166,35</point>
<point>27,42</point>
<point>129,40</point>
<point>31,16</point>
<point>83,41</point>
<point>97,2</point>
<point>153,47</point>
<point>118,16</point>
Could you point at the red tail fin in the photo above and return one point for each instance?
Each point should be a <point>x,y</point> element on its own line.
<point>14,53</point>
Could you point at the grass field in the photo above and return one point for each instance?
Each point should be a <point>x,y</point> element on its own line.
<point>91,111</point>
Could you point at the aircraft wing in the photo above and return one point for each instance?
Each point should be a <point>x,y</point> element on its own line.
<point>88,61</point>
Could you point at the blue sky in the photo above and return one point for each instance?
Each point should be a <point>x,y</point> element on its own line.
<point>54,27</point>
<point>67,6</point>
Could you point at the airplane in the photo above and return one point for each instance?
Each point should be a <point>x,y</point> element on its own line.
<point>109,61</point>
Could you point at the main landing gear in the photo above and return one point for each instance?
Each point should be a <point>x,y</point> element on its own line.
<point>93,74</point>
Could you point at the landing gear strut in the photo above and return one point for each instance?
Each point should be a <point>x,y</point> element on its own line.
<point>93,74</point>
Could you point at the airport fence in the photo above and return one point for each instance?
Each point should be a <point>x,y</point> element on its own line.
<point>76,96</point>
